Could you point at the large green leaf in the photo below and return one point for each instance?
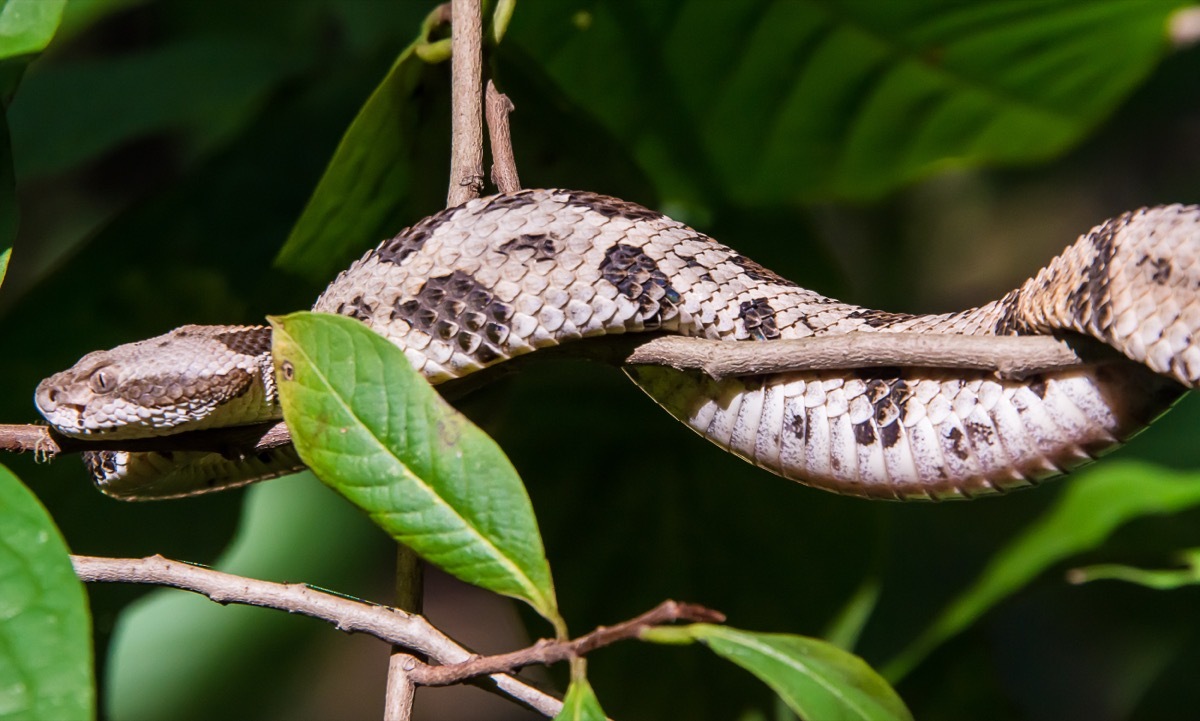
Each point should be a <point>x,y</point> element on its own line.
<point>1096,503</point>
<point>372,428</point>
<point>808,99</point>
<point>26,27</point>
<point>45,634</point>
<point>816,679</point>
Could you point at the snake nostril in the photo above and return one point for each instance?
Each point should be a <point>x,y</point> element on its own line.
<point>47,399</point>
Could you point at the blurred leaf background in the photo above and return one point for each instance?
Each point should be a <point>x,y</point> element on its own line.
<point>917,156</point>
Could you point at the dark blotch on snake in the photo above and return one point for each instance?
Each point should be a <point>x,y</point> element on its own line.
<point>410,240</point>
<point>1091,300</point>
<point>797,425</point>
<point>758,318</point>
<point>249,341</point>
<point>611,207</point>
<point>958,444</point>
<point>879,318</point>
<point>1160,268</point>
<point>889,435</point>
<point>453,308</point>
<point>638,278</point>
<point>864,433</point>
<point>756,271</point>
<point>357,309</point>
<point>543,246</point>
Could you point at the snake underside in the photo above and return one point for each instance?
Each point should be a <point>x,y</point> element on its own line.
<point>503,276</point>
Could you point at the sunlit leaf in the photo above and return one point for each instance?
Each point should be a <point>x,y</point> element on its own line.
<point>790,99</point>
<point>45,634</point>
<point>26,26</point>
<point>370,427</point>
<point>816,679</point>
<point>1097,503</point>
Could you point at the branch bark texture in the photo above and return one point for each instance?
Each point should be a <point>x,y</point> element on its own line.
<point>466,103</point>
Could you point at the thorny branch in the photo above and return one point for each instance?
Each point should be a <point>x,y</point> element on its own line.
<point>455,663</point>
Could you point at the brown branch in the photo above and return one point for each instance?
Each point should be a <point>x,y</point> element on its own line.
<point>466,103</point>
<point>504,163</point>
<point>245,439</point>
<point>352,616</point>
<point>1012,357</point>
<point>547,651</point>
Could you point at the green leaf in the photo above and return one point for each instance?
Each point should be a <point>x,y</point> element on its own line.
<point>371,170</point>
<point>1095,504</point>
<point>374,430</point>
<point>45,634</point>
<point>580,703</point>
<point>1162,580</point>
<point>811,99</point>
<point>26,26</point>
<point>816,679</point>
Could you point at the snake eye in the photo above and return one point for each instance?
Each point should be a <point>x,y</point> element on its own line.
<point>102,381</point>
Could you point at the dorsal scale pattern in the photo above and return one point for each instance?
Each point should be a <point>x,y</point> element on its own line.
<point>502,276</point>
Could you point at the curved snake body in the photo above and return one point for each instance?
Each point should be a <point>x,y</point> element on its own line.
<point>506,275</point>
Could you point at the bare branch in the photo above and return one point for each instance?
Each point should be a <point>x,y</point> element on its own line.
<point>1012,357</point>
<point>548,651</point>
<point>466,104</point>
<point>504,163</point>
<point>388,624</point>
<point>49,442</point>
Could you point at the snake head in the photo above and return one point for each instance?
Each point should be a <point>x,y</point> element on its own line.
<point>191,378</point>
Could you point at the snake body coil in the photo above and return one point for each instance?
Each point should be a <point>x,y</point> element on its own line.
<point>503,276</point>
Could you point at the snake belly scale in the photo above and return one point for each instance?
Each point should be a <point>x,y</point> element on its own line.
<point>506,275</point>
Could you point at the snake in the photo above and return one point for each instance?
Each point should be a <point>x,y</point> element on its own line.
<point>506,275</point>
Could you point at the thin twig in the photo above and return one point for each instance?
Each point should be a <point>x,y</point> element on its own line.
<point>466,103</point>
<point>504,163</point>
<point>547,651</point>
<point>352,616</point>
